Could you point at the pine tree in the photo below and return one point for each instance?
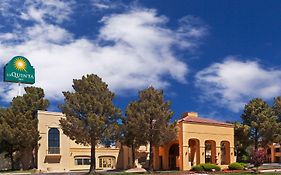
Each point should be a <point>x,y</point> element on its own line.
<point>260,118</point>
<point>9,143</point>
<point>90,113</point>
<point>132,130</point>
<point>277,107</point>
<point>153,115</point>
<point>277,111</point>
<point>241,141</point>
<point>20,123</point>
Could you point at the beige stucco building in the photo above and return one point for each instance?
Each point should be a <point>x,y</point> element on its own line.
<point>199,140</point>
<point>274,153</point>
<point>57,152</point>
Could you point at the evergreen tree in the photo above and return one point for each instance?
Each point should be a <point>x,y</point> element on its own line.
<point>20,124</point>
<point>260,118</point>
<point>132,130</point>
<point>241,141</point>
<point>277,107</point>
<point>9,131</point>
<point>277,111</point>
<point>153,114</point>
<point>90,113</point>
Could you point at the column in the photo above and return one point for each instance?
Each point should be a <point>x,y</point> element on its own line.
<point>218,154</point>
<point>202,152</point>
<point>185,159</point>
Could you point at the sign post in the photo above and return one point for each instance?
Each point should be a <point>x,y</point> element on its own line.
<point>19,70</point>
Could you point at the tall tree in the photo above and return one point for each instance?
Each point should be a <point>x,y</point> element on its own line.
<point>9,143</point>
<point>90,113</point>
<point>241,141</point>
<point>20,124</point>
<point>277,107</point>
<point>260,118</point>
<point>277,111</point>
<point>153,116</point>
<point>132,130</point>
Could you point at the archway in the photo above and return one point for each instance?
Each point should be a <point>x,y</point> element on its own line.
<point>225,152</point>
<point>174,157</point>
<point>210,152</point>
<point>194,151</point>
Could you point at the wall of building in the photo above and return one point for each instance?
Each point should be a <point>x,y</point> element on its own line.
<point>69,150</point>
<point>191,136</point>
<point>203,133</point>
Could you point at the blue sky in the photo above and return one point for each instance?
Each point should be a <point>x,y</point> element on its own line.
<point>211,57</point>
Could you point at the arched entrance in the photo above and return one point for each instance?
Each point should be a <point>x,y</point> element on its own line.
<point>194,151</point>
<point>174,157</point>
<point>225,153</point>
<point>210,152</point>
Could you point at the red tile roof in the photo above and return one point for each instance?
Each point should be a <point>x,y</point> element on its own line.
<point>189,119</point>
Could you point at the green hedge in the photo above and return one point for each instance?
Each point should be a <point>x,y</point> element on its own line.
<point>245,165</point>
<point>209,167</point>
<point>235,166</point>
<point>206,167</point>
<point>197,168</point>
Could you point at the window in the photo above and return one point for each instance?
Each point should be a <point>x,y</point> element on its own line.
<point>53,141</point>
<point>107,162</point>
<point>277,150</point>
<point>82,160</point>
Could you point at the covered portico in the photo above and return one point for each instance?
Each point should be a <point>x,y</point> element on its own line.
<point>199,140</point>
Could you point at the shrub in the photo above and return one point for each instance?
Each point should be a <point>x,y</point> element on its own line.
<point>197,168</point>
<point>258,157</point>
<point>206,167</point>
<point>245,165</point>
<point>236,166</point>
<point>209,167</point>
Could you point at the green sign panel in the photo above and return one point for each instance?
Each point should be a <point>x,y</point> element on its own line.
<point>19,70</point>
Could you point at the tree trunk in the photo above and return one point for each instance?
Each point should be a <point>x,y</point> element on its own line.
<point>256,139</point>
<point>93,157</point>
<point>33,165</point>
<point>26,158</point>
<point>12,159</point>
<point>150,162</point>
<point>133,156</point>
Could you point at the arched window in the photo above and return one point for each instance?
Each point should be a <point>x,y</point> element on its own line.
<point>53,141</point>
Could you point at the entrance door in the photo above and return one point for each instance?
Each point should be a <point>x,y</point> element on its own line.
<point>174,157</point>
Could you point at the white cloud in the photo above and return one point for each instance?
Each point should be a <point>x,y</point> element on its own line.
<point>133,50</point>
<point>106,4</point>
<point>37,10</point>
<point>41,10</point>
<point>233,83</point>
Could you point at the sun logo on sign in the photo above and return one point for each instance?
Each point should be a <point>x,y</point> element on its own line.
<point>20,64</point>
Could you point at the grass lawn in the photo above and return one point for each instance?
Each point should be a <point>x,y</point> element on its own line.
<point>19,171</point>
<point>180,172</point>
<point>247,173</point>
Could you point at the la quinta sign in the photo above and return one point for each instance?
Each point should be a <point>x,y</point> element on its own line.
<point>19,70</point>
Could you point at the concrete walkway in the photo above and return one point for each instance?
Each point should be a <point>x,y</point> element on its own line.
<point>136,170</point>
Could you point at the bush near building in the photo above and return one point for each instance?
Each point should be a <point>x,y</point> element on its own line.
<point>236,166</point>
<point>206,167</point>
<point>197,168</point>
